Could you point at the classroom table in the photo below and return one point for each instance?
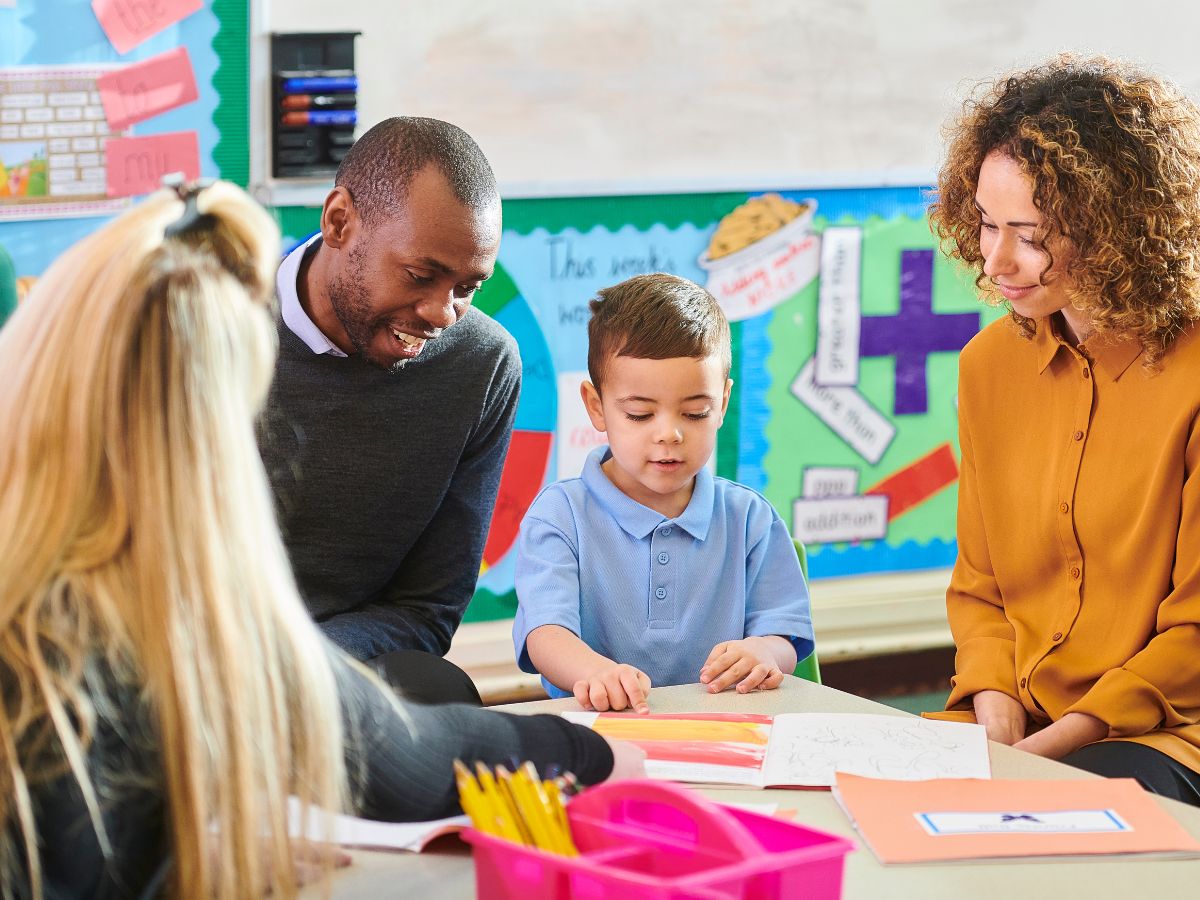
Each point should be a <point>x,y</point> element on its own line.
<point>448,873</point>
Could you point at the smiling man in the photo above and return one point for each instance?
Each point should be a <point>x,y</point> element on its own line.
<point>393,401</point>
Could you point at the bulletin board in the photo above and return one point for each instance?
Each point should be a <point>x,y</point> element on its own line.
<point>54,58</point>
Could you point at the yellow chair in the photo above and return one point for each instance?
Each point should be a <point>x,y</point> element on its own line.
<point>806,668</point>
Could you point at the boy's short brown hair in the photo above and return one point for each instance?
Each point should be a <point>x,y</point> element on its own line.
<point>657,316</point>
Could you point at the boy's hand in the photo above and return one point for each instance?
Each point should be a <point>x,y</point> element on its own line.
<point>614,687</point>
<point>749,663</point>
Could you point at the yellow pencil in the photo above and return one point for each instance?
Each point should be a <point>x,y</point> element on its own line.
<point>554,796</point>
<point>470,799</point>
<point>533,812</point>
<point>551,823</point>
<point>505,820</point>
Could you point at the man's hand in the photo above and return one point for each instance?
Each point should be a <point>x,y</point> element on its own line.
<point>616,687</point>
<point>1003,717</point>
<point>750,663</point>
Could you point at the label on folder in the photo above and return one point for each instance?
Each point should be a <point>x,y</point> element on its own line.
<point>1077,821</point>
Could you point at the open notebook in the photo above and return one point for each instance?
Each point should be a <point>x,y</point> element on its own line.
<point>796,749</point>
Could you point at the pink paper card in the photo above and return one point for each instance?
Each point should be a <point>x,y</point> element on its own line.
<point>136,165</point>
<point>147,88</point>
<point>129,22</point>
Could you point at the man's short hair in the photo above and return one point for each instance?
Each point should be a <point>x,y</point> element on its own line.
<point>380,166</point>
<point>656,316</point>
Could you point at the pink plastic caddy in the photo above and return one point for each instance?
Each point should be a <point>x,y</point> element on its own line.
<point>647,840</point>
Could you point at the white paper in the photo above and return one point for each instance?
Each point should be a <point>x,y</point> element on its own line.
<point>576,437</point>
<point>349,831</point>
<point>848,413</point>
<point>808,749</point>
<point>829,481</point>
<point>839,307</point>
<point>1091,821</point>
<point>835,519</point>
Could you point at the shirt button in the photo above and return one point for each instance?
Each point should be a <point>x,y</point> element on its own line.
<point>660,593</point>
<point>1057,636</point>
<point>663,557</point>
<point>1087,373</point>
<point>1078,435</point>
<point>1064,507</point>
<point>1074,571</point>
<point>1023,682</point>
<point>666,532</point>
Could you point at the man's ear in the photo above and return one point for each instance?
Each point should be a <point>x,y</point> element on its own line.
<point>591,402</point>
<point>338,218</point>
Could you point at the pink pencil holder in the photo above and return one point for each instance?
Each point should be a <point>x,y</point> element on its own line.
<point>648,840</point>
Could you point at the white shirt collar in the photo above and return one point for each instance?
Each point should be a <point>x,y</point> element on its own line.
<point>294,316</point>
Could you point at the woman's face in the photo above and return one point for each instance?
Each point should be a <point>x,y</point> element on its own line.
<point>1012,259</point>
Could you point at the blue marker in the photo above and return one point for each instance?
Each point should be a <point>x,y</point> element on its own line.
<point>319,84</point>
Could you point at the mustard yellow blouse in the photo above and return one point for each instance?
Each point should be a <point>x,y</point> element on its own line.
<point>1077,585</point>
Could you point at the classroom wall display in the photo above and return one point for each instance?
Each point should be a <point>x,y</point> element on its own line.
<point>98,99</point>
<point>846,324</point>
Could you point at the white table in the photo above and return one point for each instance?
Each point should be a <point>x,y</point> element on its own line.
<point>449,873</point>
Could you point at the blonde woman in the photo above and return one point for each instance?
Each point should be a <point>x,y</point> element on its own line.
<point>163,688</point>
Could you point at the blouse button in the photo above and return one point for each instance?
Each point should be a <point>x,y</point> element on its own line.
<point>1087,373</point>
<point>1023,682</point>
<point>1078,435</point>
<point>1074,571</point>
<point>1064,507</point>
<point>1057,636</point>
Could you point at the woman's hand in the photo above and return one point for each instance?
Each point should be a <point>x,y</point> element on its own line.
<point>1068,734</point>
<point>629,760</point>
<point>1002,716</point>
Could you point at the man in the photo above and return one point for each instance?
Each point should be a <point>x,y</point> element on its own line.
<point>393,401</point>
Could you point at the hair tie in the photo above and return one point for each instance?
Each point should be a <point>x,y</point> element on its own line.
<point>188,191</point>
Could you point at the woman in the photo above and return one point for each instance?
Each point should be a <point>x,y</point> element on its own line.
<point>163,688</point>
<point>1073,191</point>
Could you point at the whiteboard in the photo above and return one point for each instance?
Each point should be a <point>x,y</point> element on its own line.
<point>595,97</point>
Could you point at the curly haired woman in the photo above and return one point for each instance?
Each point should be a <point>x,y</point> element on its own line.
<point>1073,191</point>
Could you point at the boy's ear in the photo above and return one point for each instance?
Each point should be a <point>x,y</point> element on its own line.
<point>725,398</point>
<point>591,402</point>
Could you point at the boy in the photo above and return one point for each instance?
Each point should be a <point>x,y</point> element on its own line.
<point>647,569</point>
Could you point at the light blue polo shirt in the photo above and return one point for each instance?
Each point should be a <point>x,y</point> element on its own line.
<point>653,592</point>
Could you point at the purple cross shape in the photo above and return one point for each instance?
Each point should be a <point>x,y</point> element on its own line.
<point>915,332</point>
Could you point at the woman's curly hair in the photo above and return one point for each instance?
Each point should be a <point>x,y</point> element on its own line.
<point>1114,156</point>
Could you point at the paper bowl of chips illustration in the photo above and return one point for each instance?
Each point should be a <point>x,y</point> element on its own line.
<point>762,253</point>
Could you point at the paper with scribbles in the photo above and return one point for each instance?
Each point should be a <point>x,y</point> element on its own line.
<point>796,749</point>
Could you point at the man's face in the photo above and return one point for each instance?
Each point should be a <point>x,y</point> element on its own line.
<point>398,284</point>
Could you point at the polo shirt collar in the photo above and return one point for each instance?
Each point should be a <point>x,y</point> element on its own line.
<point>1111,354</point>
<point>294,316</point>
<point>637,520</point>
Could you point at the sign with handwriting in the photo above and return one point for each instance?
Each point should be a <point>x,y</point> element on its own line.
<point>136,165</point>
<point>147,88</point>
<point>129,22</point>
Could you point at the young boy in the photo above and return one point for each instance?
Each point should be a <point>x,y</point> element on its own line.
<point>647,569</point>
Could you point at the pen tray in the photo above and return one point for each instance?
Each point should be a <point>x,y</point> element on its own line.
<point>649,840</point>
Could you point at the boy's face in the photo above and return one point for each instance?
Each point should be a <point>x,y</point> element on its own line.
<point>661,417</point>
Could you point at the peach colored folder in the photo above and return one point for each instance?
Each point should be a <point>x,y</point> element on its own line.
<point>966,818</point>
